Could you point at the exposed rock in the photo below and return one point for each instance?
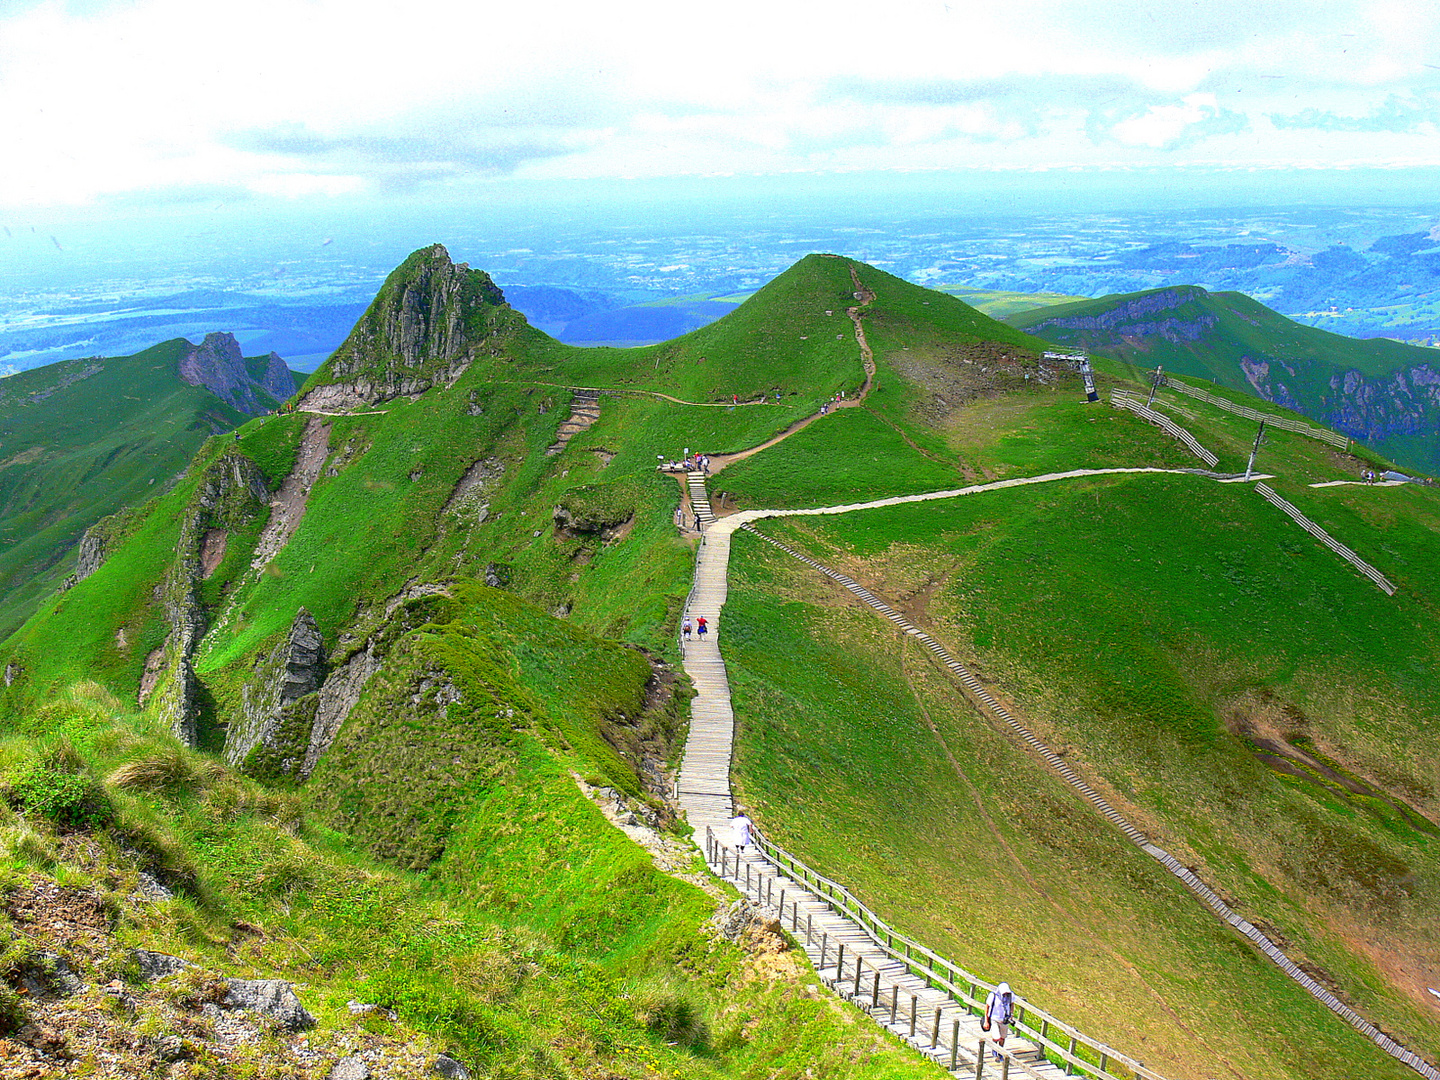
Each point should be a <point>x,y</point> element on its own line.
<point>449,1068</point>
<point>294,669</point>
<point>736,919</point>
<point>430,321</point>
<point>48,974</point>
<point>90,553</point>
<point>269,997</point>
<point>231,492</point>
<point>337,697</point>
<point>291,500</point>
<point>155,966</point>
<point>352,1067</point>
<point>217,365</point>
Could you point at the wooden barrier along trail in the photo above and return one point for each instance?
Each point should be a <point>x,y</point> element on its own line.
<point>943,992</point>
<point>1325,538</point>
<point>1123,399</point>
<point>1285,423</point>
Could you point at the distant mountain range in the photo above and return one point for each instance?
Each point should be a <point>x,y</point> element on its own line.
<point>1379,392</point>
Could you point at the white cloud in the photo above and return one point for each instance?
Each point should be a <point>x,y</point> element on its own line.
<point>317,97</point>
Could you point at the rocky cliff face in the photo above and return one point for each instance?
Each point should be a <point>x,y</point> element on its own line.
<point>430,321</point>
<point>216,364</point>
<point>232,491</point>
<point>294,670</point>
<point>1144,317</point>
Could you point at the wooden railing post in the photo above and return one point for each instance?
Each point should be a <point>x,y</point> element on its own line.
<point>840,965</point>
<point>875,992</point>
<point>1072,1055</point>
<point>894,1000</point>
<point>1005,1067</point>
<point>954,1043</point>
<point>980,1061</point>
<point>912,1016</point>
<point>935,1036</point>
<point>857,976</point>
<point>809,923</point>
<point>824,941</point>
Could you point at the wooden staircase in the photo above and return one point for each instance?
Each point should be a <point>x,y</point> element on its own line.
<point>584,411</point>
<point>700,500</point>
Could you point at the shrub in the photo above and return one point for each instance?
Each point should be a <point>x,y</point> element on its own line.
<point>12,1010</point>
<point>671,1015</point>
<point>61,789</point>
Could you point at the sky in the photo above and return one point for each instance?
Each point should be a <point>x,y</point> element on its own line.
<point>113,105</point>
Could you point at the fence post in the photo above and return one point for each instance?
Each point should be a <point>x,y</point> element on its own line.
<point>912,1016</point>
<point>894,1000</point>
<point>858,966</point>
<point>935,1037</point>
<point>954,1043</point>
<point>875,992</point>
<point>980,1061</point>
<point>1005,1067</point>
<point>809,923</point>
<point>840,965</point>
<point>747,872</point>
<point>1072,1054</point>
<point>824,941</point>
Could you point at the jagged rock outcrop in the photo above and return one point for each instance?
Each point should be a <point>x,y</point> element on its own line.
<point>232,491</point>
<point>216,364</point>
<point>430,321</point>
<point>273,700</point>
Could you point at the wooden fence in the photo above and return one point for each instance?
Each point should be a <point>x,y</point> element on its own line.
<point>1121,399</point>
<point>1285,423</point>
<point>1076,1053</point>
<point>1325,538</point>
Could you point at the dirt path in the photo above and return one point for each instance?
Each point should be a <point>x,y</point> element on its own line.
<point>867,360</point>
<point>288,506</point>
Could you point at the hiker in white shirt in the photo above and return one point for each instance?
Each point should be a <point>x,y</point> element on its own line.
<point>740,827</point>
<point>999,1014</point>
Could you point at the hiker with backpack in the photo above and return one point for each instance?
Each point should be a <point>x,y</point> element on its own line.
<point>999,1014</point>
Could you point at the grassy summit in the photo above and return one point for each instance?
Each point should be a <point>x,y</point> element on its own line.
<point>399,809</point>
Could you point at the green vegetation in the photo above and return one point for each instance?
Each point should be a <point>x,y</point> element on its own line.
<point>600,966</point>
<point>61,472</point>
<point>508,616</point>
<point>1356,385</point>
<point>1166,631</point>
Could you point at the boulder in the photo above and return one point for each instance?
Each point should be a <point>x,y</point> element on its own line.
<point>449,1068</point>
<point>155,966</point>
<point>269,997</point>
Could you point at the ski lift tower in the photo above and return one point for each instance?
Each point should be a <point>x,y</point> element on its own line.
<point>1083,362</point>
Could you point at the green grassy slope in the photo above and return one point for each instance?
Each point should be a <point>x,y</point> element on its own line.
<point>80,440</point>
<point>1375,390</point>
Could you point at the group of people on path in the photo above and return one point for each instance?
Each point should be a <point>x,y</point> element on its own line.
<point>701,627</point>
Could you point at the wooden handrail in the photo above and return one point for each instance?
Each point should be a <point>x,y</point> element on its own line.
<point>965,988</point>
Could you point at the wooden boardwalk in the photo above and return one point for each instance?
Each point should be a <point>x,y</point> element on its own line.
<point>944,997</point>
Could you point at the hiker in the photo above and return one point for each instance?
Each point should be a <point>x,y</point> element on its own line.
<point>740,826</point>
<point>685,628</point>
<point>999,1014</point>
<point>701,626</point>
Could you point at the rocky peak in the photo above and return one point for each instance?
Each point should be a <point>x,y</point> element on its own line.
<point>217,365</point>
<point>430,320</point>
